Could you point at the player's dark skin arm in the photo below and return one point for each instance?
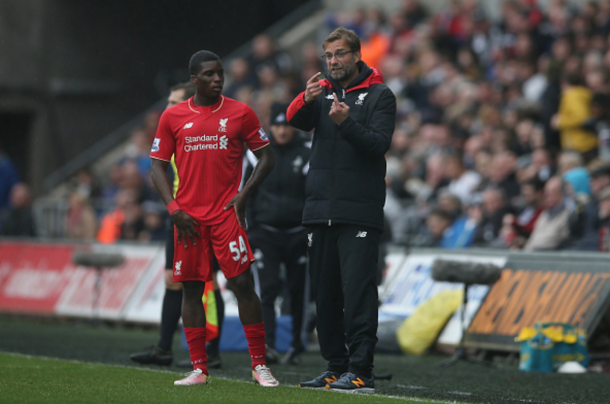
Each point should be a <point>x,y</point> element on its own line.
<point>266,162</point>
<point>185,224</point>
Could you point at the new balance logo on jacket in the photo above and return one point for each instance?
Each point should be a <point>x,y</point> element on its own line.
<point>361,234</point>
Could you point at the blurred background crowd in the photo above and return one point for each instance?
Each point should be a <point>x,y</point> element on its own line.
<point>502,138</point>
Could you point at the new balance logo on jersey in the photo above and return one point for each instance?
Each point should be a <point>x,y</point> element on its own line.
<point>223,142</point>
<point>361,98</point>
<point>361,234</point>
<point>309,239</point>
<point>330,97</point>
<point>155,146</point>
<point>223,125</point>
<point>177,271</point>
<point>188,125</point>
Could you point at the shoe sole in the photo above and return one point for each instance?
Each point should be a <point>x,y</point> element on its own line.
<point>311,387</point>
<point>207,381</point>
<point>194,384</point>
<point>264,385</point>
<point>362,390</point>
<point>188,385</point>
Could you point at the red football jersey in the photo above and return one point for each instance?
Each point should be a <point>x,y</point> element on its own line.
<point>208,144</point>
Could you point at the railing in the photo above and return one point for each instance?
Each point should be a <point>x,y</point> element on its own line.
<point>51,214</point>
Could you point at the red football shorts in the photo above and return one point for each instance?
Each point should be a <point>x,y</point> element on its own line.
<point>227,241</point>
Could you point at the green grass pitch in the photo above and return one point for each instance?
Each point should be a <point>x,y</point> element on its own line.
<point>30,379</point>
<point>95,367</point>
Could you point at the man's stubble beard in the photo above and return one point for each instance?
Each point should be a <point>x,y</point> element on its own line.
<point>348,71</point>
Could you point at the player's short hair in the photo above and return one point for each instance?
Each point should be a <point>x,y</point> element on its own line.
<point>201,57</point>
<point>349,36</point>
<point>188,87</point>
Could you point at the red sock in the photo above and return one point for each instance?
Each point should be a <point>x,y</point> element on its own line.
<point>196,339</point>
<point>255,334</point>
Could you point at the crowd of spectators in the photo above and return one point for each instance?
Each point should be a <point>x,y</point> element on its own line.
<point>503,125</point>
<point>503,132</point>
<point>124,204</point>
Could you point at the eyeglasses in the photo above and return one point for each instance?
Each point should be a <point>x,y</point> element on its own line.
<point>339,55</point>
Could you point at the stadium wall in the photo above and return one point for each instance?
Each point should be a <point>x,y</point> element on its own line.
<point>73,71</point>
<point>39,278</point>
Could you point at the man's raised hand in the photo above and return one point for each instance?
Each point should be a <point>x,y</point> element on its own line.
<point>313,89</point>
<point>339,111</point>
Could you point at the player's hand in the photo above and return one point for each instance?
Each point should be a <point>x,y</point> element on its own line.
<point>313,89</point>
<point>339,111</point>
<point>239,204</point>
<point>185,226</point>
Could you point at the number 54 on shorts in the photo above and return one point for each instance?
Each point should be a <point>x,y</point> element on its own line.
<point>241,252</point>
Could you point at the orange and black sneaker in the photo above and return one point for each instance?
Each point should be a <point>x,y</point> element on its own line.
<point>321,381</point>
<point>350,383</point>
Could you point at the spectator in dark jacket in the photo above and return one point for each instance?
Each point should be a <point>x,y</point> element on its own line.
<point>599,123</point>
<point>603,217</point>
<point>8,179</point>
<point>353,114</point>
<point>275,212</point>
<point>503,174</point>
<point>517,228</point>
<point>587,229</point>
<point>438,223</point>
<point>494,207</point>
<point>19,220</point>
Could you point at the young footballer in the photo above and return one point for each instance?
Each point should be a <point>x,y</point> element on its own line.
<point>207,135</point>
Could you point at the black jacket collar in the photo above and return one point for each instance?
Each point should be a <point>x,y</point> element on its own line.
<point>365,72</point>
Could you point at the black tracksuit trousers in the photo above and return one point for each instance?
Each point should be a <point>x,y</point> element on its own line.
<point>270,250</point>
<point>343,265</point>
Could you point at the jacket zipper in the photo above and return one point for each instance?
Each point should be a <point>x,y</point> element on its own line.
<point>332,202</point>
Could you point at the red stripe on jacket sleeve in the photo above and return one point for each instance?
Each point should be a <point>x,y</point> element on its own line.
<point>295,106</point>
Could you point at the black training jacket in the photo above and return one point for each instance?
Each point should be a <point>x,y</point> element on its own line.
<point>278,201</point>
<point>346,179</point>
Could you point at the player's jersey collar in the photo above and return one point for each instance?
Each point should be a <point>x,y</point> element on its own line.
<point>206,109</point>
